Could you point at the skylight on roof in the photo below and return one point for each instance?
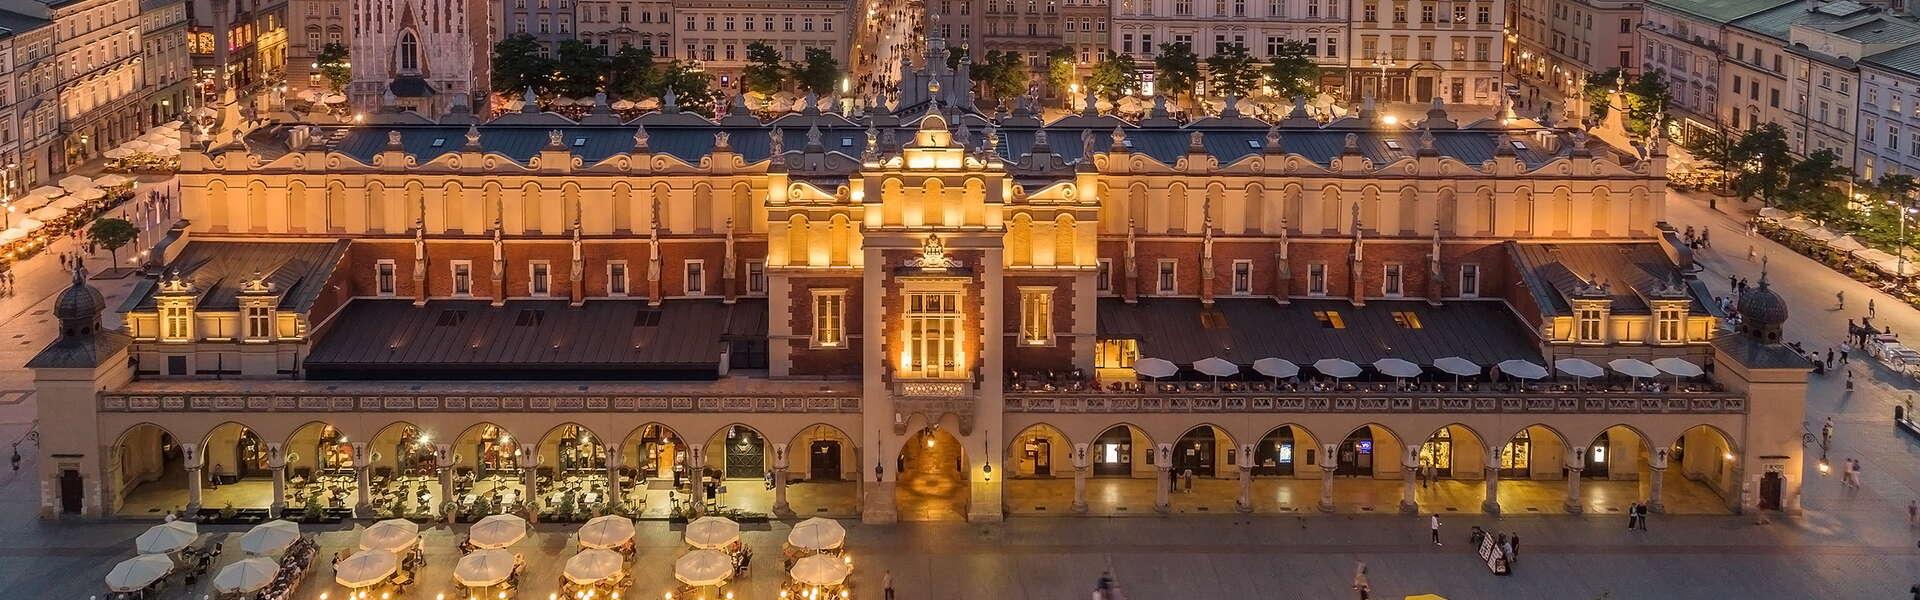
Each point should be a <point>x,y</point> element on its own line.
<point>1393,144</point>
<point>1254,144</point>
<point>1519,145</point>
<point>580,141</point>
<point>438,142</point>
<point>1127,142</point>
<point>846,142</point>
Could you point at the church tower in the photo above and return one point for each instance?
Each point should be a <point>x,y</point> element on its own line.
<point>423,55</point>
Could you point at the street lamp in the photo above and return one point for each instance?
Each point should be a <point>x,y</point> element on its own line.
<point>1900,251</point>
<point>1382,60</point>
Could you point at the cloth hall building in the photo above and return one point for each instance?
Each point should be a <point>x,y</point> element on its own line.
<point>920,312</point>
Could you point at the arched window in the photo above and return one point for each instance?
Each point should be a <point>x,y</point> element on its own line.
<point>409,52</point>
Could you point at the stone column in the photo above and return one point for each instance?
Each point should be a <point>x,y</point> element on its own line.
<point>1245,502</point>
<point>363,481</point>
<point>1410,475</point>
<point>1162,485</point>
<point>191,452</point>
<point>615,494</point>
<point>1328,463</point>
<point>1080,472</point>
<point>1492,505</point>
<point>780,506</point>
<point>532,496</point>
<point>443,463</point>
<point>277,461</point>
<point>1575,462</point>
<point>697,468</point>
<point>1657,464</point>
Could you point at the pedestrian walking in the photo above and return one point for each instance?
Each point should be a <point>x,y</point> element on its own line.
<point>1750,253</point>
<point>1826,434</point>
<point>1360,584</point>
<point>1434,526</point>
<point>1645,511</point>
<point>1829,358</point>
<point>1849,380</point>
<point>1513,548</point>
<point>1855,467</point>
<point>1913,512</point>
<point>886,584</point>
<point>1705,239</point>
<point>1840,299</point>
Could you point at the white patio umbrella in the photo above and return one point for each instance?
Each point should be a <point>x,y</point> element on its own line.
<point>68,202</point>
<point>606,531</point>
<point>703,568</point>
<point>11,234</point>
<point>498,531</point>
<point>141,146</point>
<point>1678,368</point>
<point>592,565</point>
<point>117,153</point>
<point>30,202</point>
<point>246,576</point>
<point>1521,369</point>
<point>166,537</point>
<point>1155,367</point>
<point>113,180</point>
<point>1337,368</point>
<point>48,191</point>
<point>365,568</point>
<point>1277,368</point>
<point>310,94</point>
<point>1397,368</point>
<point>482,568</point>
<point>334,99</point>
<point>622,104</point>
<point>1456,366</point>
<point>174,124</point>
<point>712,532</point>
<point>392,535</point>
<point>817,534</point>
<point>48,213</point>
<point>271,537</point>
<point>1216,366</point>
<point>1633,367</point>
<point>133,574</point>
<point>84,196</point>
<point>821,569</point>
<point>28,224</point>
<point>74,183</point>
<point>1578,367</point>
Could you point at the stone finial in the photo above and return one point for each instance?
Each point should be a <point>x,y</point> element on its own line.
<point>1232,106</point>
<point>1039,139</point>
<point>813,137</point>
<point>1353,143</point>
<point>393,139</point>
<point>1092,108</point>
<point>1299,108</point>
<point>1086,144</point>
<point>1273,139</point>
<point>737,105</point>
<point>776,142</point>
<point>1119,138</point>
<point>991,141</point>
<point>640,138</point>
<point>473,136</point>
<point>671,102</point>
<point>553,139</point>
<point>1196,143</point>
<point>529,103</point>
<point>811,104</point>
<point>722,140</point>
<point>963,135</point>
<point>1160,107</point>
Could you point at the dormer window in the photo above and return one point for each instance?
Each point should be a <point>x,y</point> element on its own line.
<point>259,322</point>
<point>1667,325</point>
<point>175,322</point>
<point>409,52</point>
<point>1588,326</point>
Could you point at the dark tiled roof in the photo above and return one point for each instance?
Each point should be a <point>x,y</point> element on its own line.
<point>1552,272</point>
<point>1244,330</point>
<point>16,23</point>
<point>297,270</point>
<point>1721,11</point>
<point>411,87</point>
<point>1904,60</point>
<point>521,136</point>
<point>83,352</point>
<point>532,339</point>
<point>1757,355</point>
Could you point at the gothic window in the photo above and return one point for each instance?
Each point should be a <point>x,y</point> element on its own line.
<point>409,52</point>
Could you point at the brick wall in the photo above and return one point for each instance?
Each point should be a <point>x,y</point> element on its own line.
<point>1057,356</point>
<point>810,361</point>
<point>972,299</point>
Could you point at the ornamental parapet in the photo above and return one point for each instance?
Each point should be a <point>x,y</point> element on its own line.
<point>1072,402</point>
<point>213,402</point>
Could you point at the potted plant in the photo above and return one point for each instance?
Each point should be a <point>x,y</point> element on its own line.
<point>228,512</point>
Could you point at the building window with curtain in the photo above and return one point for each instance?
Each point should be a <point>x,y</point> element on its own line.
<point>829,318</point>
<point>933,335</point>
<point>1036,316</point>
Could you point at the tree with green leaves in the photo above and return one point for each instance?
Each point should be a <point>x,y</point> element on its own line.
<point>1177,69</point>
<point>1061,70</point>
<point>518,65</point>
<point>818,73</point>
<point>1232,72</point>
<point>631,72</point>
<point>1292,72</point>
<point>1001,74</point>
<point>112,234</point>
<point>1764,163</point>
<point>763,72</point>
<point>578,67</point>
<point>692,87</point>
<point>1811,183</point>
<point>333,65</point>
<point>1647,97</point>
<point>1721,154</point>
<point>1114,76</point>
<point>953,56</point>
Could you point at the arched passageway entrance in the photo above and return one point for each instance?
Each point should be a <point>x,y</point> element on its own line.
<point>932,483</point>
<point>1040,471</point>
<point>147,474</point>
<point>653,471</point>
<point>320,476</point>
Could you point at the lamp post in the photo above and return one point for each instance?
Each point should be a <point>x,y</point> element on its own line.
<point>1900,251</point>
<point>1382,60</point>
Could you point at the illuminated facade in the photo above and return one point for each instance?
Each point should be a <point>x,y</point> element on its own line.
<point>930,299</point>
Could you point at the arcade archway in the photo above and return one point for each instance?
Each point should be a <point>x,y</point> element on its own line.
<point>234,469</point>
<point>932,482</point>
<point>823,472</point>
<point>320,476</point>
<point>653,469</point>
<point>570,473</point>
<point>147,473</point>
